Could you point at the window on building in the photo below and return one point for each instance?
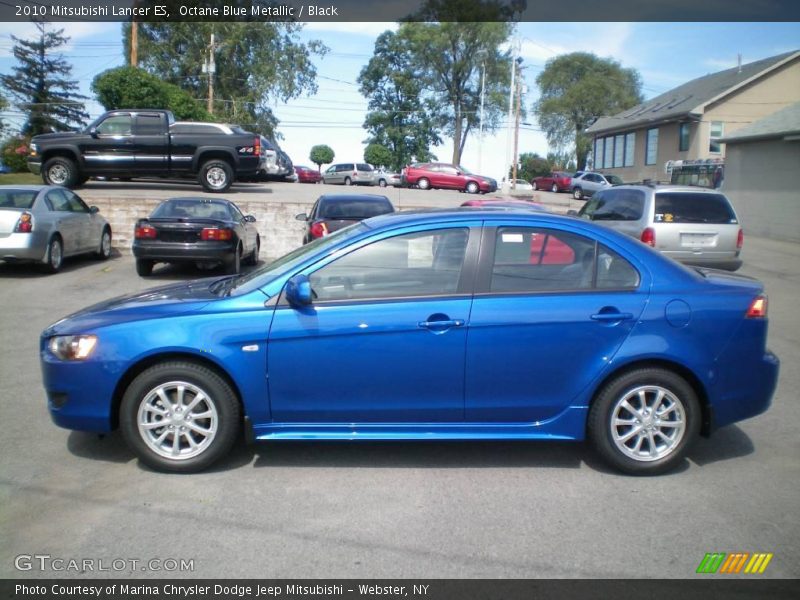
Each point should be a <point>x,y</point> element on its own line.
<point>683,136</point>
<point>598,153</point>
<point>651,156</point>
<point>630,143</point>
<point>609,153</point>
<point>619,150</point>
<point>717,131</point>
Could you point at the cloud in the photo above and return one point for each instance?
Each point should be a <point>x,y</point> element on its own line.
<point>75,30</point>
<point>606,39</point>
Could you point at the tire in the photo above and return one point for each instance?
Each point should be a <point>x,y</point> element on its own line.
<point>216,175</point>
<point>424,183</point>
<point>234,264</point>
<point>144,267</point>
<point>252,258</point>
<point>646,445</point>
<point>104,249</point>
<point>554,188</point>
<point>577,193</point>
<point>61,171</point>
<point>473,188</point>
<point>190,440</point>
<point>534,186</point>
<point>54,258</point>
<point>382,182</point>
<point>348,181</point>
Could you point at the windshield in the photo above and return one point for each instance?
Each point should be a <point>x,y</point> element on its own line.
<point>259,277</point>
<point>465,171</point>
<point>353,210</point>
<point>17,198</point>
<point>613,179</point>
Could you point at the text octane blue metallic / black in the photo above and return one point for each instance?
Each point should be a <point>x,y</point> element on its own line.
<point>467,324</point>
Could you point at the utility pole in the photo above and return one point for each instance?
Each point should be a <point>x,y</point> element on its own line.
<point>510,113</point>
<point>516,134</point>
<point>210,68</point>
<point>134,43</point>
<point>480,134</point>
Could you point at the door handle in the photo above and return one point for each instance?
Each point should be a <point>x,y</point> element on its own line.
<point>441,324</point>
<point>611,316</point>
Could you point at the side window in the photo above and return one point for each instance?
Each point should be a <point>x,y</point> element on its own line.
<point>591,206</point>
<point>234,210</point>
<point>620,205</point>
<point>148,125</point>
<point>425,263</point>
<point>58,201</point>
<point>117,125</point>
<point>528,259</point>
<point>614,272</point>
<point>76,205</point>
<point>331,169</point>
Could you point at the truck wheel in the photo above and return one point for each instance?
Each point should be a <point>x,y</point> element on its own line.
<point>60,171</point>
<point>216,175</point>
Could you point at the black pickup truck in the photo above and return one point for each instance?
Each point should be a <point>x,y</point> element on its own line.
<point>147,143</point>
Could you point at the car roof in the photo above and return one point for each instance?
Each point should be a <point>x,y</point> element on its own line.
<point>28,187</point>
<point>197,199</point>
<point>466,213</point>
<point>668,187</point>
<point>365,197</point>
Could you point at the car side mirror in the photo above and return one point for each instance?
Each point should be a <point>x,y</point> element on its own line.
<point>250,219</point>
<point>298,291</point>
<point>94,209</point>
<point>93,132</point>
<point>301,217</point>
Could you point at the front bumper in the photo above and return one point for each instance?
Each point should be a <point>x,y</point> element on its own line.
<point>35,165</point>
<point>179,252</point>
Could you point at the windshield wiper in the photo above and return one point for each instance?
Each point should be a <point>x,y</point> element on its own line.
<point>221,287</point>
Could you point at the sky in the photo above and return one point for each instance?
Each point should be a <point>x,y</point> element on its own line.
<point>665,54</point>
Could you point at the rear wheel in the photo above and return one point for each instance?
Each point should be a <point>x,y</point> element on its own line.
<point>144,267</point>
<point>104,249</point>
<point>234,265</point>
<point>55,255</point>
<point>382,182</point>
<point>180,417</point>
<point>535,186</point>
<point>554,188</point>
<point>643,422</point>
<point>577,193</point>
<point>60,171</point>
<point>216,175</point>
<point>252,258</point>
<point>424,184</point>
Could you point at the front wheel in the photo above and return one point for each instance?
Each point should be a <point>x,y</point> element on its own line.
<point>179,416</point>
<point>577,193</point>
<point>472,187</point>
<point>104,249</point>
<point>424,184</point>
<point>55,255</point>
<point>348,181</point>
<point>382,183</point>
<point>216,175</point>
<point>554,188</point>
<point>535,186</point>
<point>643,422</point>
<point>61,171</point>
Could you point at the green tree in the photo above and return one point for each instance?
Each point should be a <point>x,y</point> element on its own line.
<point>452,43</point>
<point>129,87</point>
<point>378,155</point>
<point>399,119</point>
<point>3,106</point>
<point>532,165</point>
<point>321,155</point>
<point>561,161</point>
<point>576,89</point>
<point>41,86</point>
<point>256,63</point>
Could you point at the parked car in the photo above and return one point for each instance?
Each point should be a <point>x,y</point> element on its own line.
<point>349,174</point>
<point>146,143</point>
<point>384,178</point>
<point>333,212</point>
<point>45,224</point>
<point>196,230</point>
<point>520,185</point>
<point>428,326</point>
<point>586,184</point>
<point>446,176</point>
<point>689,224</point>
<point>307,174</point>
<point>557,181</point>
<point>504,203</point>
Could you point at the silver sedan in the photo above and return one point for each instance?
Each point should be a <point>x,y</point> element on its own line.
<point>45,224</point>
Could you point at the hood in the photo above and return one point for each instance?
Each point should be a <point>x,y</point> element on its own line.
<point>165,301</point>
<point>50,137</point>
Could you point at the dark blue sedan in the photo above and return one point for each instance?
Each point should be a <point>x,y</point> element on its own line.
<point>456,325</point>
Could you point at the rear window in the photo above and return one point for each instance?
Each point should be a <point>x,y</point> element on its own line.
<point>354,210</point>
<point>618,205</point>
<point>188,209</point>
<point>17,198</point>
<point>364,167</point>
<point>195,128</point>
<point>690,207</point>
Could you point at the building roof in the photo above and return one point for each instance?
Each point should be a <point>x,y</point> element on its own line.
<point>692,97</point>
<point>780,124</point>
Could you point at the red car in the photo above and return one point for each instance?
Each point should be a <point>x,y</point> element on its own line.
<point>307,175</point>
<point>557,181</point>
<point>446,176</point>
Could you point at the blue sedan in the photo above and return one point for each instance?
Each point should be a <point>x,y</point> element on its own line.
<point>452,325</point>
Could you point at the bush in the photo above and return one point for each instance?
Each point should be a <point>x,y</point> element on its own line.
<point>15,153</point>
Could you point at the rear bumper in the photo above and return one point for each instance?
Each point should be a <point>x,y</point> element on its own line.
<point>746,395</point>
<point>23,246</point>
<point>178,252</point>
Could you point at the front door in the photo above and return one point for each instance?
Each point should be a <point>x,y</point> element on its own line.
<point>110,149</point>
<point>383,341</point>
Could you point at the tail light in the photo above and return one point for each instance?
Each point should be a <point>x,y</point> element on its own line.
<point>740,239</point>
<point>257,146</point>
<point>216,234</point>
<point>758,308</point>
<point>649,237</point>
<point>25,223</point>
<point>145,232</point>
<point>318,230</point>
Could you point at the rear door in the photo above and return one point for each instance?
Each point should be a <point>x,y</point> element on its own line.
<point>551,308</point>
<point>151,143</point>
<point>68,222</point>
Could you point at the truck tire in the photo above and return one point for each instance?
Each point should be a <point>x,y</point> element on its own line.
<point>61,170</point>
<point>216,175</point>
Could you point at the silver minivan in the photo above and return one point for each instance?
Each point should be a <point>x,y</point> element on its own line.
<point>349,174</point>
<point>692,225</point>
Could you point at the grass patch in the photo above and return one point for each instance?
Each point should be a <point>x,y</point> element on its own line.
<point>20,179</point>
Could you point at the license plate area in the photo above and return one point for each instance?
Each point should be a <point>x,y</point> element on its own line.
<point>698,240</point>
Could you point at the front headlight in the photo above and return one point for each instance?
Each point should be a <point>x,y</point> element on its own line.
<point>34,149</point>
<point>72,347</point>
